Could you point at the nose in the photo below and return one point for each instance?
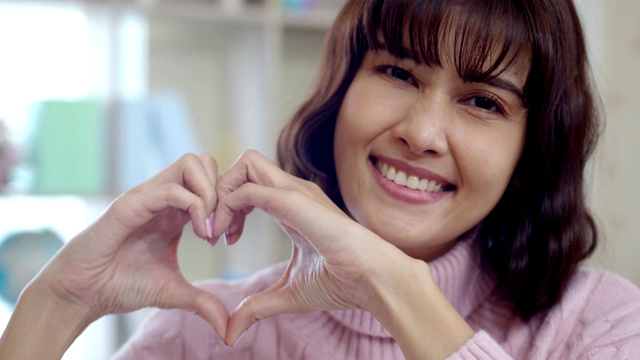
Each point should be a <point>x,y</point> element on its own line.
<point>424,127</point>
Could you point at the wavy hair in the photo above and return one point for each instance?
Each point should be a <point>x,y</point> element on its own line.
<point>541,229</point>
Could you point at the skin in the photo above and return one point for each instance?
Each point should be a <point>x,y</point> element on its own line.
<point>469,134</point>
<point>126,260</point>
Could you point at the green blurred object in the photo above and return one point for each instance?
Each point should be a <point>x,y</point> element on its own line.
<point>68,147</point>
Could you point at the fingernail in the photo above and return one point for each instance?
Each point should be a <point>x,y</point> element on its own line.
<point>226,238</point>
<point>209,225</point>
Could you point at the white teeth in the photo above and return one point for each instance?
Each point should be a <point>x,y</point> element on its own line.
<point>432,185</point>
<point>411,181</point>
<point>401,178</point>
<point>422,185</point>
<point>391,173</point>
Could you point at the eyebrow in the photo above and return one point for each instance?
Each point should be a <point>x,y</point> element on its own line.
<point>506,85</point>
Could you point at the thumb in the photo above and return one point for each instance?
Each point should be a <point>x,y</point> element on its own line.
<point>273,301</point>
<point>207,306</point>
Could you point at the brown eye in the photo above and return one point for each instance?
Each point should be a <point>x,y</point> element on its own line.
<point>399,73</point>
<point>485,103</point>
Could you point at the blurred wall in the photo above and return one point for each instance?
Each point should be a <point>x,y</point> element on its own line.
<point>614,31</point>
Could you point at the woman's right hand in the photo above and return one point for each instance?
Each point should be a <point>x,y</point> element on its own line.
<point>124,261</point>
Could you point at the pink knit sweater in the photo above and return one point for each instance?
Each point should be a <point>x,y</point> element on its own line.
<point>598,318</point>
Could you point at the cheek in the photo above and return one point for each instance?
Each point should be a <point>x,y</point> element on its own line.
<point>351,129</point>
<point>368,109</point>
<point>343,142</point>
<point>487,162</point>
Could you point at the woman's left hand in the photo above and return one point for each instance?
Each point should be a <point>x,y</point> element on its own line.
<point>333,256</point>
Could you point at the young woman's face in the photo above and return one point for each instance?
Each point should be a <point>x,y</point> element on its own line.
<point>422,156</point>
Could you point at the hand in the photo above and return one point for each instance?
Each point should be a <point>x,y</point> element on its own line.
<point>126,260</point>
<point>332,255</point>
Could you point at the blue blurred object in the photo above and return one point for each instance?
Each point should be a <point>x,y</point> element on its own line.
<point>299,4</point>
<point>22,255</point>
<point>153,133</point>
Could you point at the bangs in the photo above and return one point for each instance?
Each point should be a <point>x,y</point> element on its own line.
<point>480,38</point>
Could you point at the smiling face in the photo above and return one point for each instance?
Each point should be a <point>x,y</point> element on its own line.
<point>422,156</point>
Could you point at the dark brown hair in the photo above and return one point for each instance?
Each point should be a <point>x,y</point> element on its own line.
<point>540,231</point>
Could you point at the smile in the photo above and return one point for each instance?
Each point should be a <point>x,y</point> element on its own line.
<point>410,181</point>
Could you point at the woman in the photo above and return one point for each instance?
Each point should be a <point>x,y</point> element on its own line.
<point>432,186</point>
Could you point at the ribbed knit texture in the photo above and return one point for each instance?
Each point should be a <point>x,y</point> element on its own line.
<point>598,318</point>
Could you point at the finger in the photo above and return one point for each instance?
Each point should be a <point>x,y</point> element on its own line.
<point>135,209</point>
<point>253,167</point>
<point>191,172</point>
<point>273,301</point>
<point>290,208</point>
<point>206,305</point>
<point>236,227</point>
<point>197,174</point>
<point>210,166</point>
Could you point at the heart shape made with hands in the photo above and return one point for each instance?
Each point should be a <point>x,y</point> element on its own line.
<point>135,255</point>
<point>331,255</point>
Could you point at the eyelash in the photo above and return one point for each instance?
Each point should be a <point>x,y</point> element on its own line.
<point>494,102</point>
<point>388,69</point>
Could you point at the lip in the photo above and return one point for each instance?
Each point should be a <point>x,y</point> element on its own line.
<point>403,193</point>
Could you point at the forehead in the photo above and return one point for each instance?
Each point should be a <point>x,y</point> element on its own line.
<point>481,39</point>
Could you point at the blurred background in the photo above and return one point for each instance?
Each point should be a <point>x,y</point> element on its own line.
<point>96,96</point>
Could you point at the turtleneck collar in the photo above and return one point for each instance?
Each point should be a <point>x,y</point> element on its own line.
<point>457,273</point>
